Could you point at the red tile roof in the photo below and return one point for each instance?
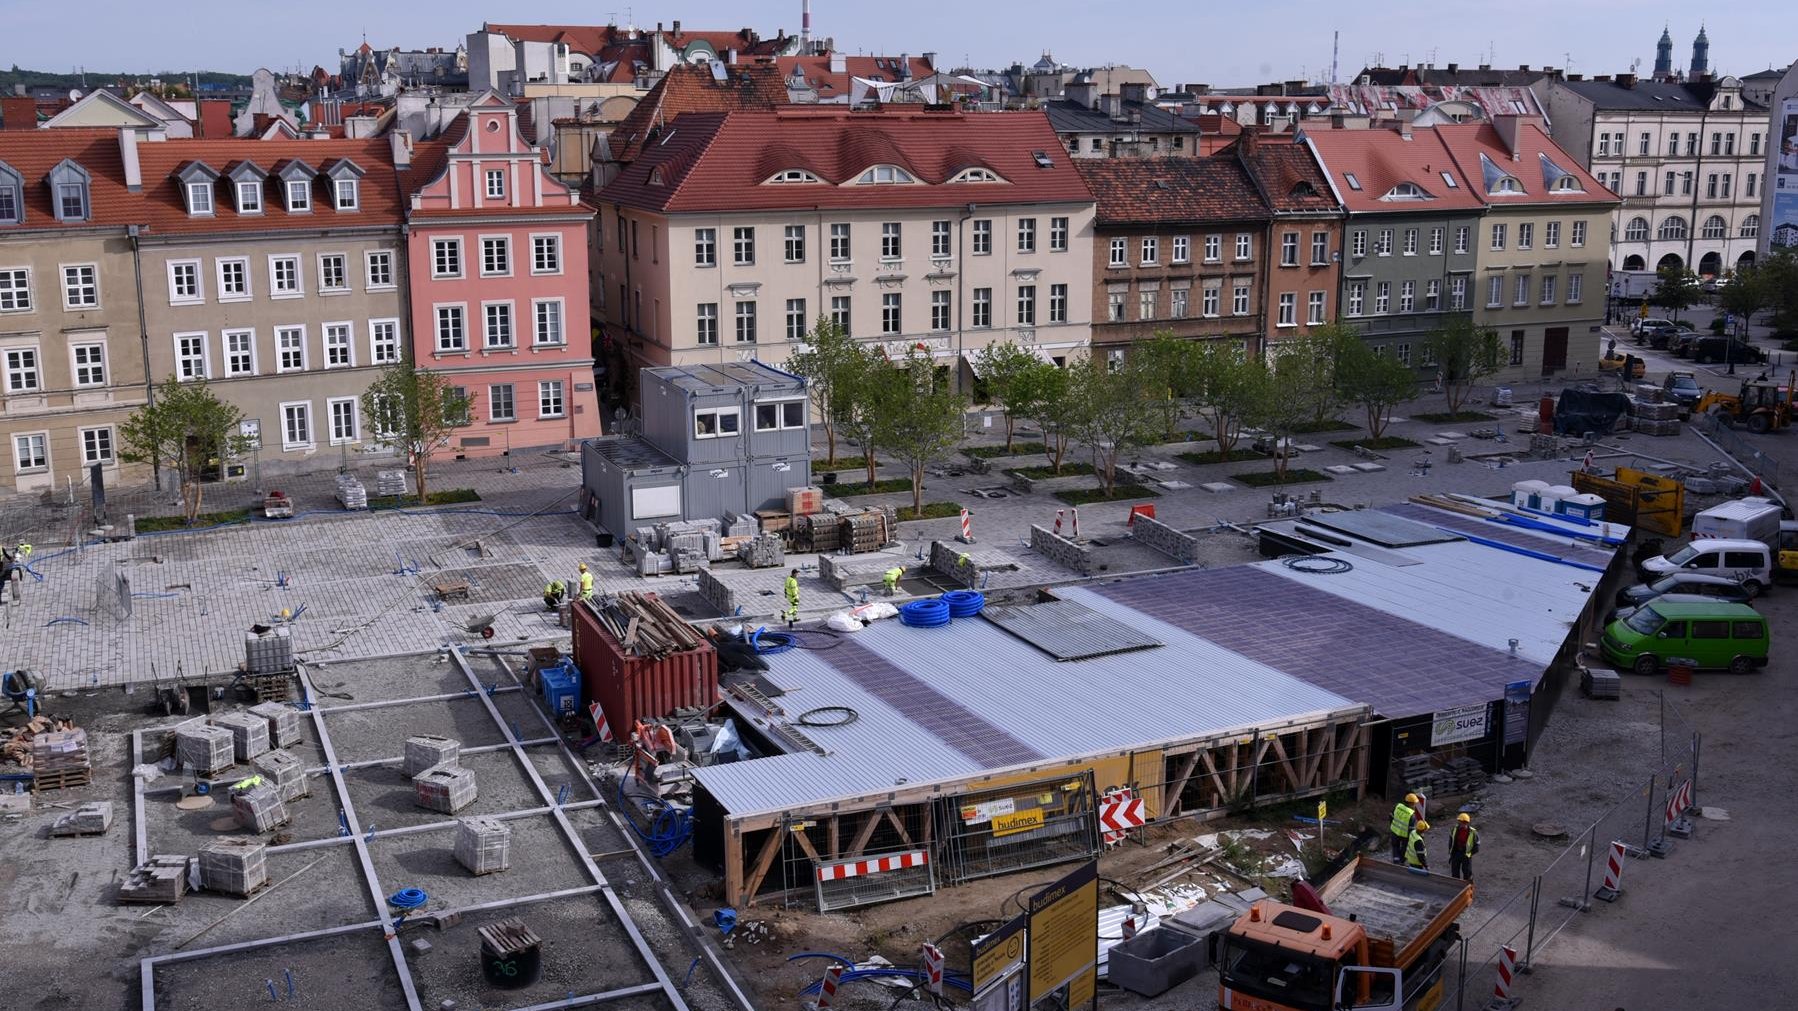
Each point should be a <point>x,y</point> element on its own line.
<point>1171,190</point>
<point>687,88</point>
<point>33,153</point>
<point>1289,178</point>
<point>1468,141</point>
<point>165,212</point>
<point>1382,159</point>
<point>831,84</point>
<point>717,162</point>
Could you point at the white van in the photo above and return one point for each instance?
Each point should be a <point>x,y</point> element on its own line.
<point>1749,561</point>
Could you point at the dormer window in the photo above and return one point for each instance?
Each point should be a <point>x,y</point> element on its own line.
<point>299,196</point>
<point>69,190</point>
<point>1567,184</point>
<point>249,197</point>
<point>12,196</point>
<point>1406,191</point>
<point>348,192</point>
<point>885,175</point>
<point>976,175</point>
<point>1506,184</point>
<point>655,177</point>
<point>196,180</point>
<point>793,176</point>
<point>1303,189</point>
<point>199,198</point>
<point>247,179</point>
<point>296,184</point>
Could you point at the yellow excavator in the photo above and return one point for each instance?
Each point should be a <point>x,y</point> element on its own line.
<point>1762,405</point>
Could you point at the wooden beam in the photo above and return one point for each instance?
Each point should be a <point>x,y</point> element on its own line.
<point>861,838</point>
<point>733,864</point>
<point>835,837</point>
<point>1170,795</point>
<point>805,843</point>
<point>1326,740</point>
<point>893,817</point>
<point>763,862</point>
<point>1345,751</point>
<point>1217,780</point>
<point>1279,749</point>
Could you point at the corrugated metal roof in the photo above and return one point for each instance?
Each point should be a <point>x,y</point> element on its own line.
<point>1067,630</point>
<point>725,375</point>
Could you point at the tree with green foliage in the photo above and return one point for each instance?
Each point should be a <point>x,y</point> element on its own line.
<point>865,381</point>
<point>1042,392</point>
<point>1676,289</point>
<point>829,354</point>
<point>1376,382</point>
<point>1001,366</point>
<point>188,428</point>
<point>1464,353</point>
<point>1110,412</point>
<point>1744,295</point>
<point>1312,360</point>
<point>920,419</point>
<point>1221,385</point>
<point>1778,277</point>
<point>414,411</point>
<point>1278,398</point>
<point>1167,366</point>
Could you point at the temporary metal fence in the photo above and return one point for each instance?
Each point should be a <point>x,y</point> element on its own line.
<point>876,877</point>
<point>1553,900</point>
<point>1019,827</point>
<point>1745,450</point>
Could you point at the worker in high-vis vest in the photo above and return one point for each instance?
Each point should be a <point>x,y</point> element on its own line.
<point>247,784</point>
<point>1463,843</point>
<point>1404,816</point>
<point>554,593</point>
<point>1415,853</point>
<point>891,579</point>
<point>586,583</point>
<point>791,587</point>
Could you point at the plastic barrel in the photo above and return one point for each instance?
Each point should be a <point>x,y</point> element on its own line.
<point>1679,670</point>
<point>513,971</point>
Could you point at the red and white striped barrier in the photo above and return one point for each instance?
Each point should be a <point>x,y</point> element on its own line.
<point>599,721</point>
<point>827,991</point>
<point>863,868</point>
<point>1058,515</point>
<point>1678,800</point>
<point>1129,927</point>
<point>1120,811</point>
<point>1507,969</point>
<point>933,967</point>
<point>967,527</point>
<point>1613,873</point>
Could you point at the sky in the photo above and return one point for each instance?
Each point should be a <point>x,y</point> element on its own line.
<point>1179,42</point>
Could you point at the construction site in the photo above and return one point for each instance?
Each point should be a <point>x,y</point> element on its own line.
<point>355,759</point>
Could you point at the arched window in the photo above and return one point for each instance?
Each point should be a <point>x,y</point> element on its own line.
<point>1751,226</point>
<point>1506,184</point>
<point>1636,230</point>
<point>1672,228</point>
<point>1567,184</point>
<point>1634,261</point>
<point>976,175</point>
<point>885,175</point>
<point>1406,191</point>
<point>794,176</point>
<point>1715,227</point>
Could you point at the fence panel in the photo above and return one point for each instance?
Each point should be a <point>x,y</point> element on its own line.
<point>876,877</point>
<point>1508,925</point>
<point>1744,450</point>
<point>1565,892</point>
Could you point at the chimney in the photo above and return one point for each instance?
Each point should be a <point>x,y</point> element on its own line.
<point>1524,67</point>
<point>658,28</point>
<point>905,66</point>
<point>805,28</point>
<point>1626,80</point>
<point>930,58</point>
<point>215,117</point>
<point>400,143</point>
<point>134,175</point>
<point>677,26</point>
<point>19,113</point>
<point>1454,68</point>
<point>1576,77</point>
<point>1135,91</point>
<point>1405,116</point>
<point>730,57</point>
<point>839,64</point>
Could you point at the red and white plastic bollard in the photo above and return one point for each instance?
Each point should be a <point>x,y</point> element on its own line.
<point>1507,971</point>
<point>1129,927</point>
<point>1613,873</point>
<point>1076,523</point>
<point>967,527</point>
<point>933,967</point>
<point>1679,801</point>
<point>827,991</point>
<point>599,721</point>
<point>1058,515</point>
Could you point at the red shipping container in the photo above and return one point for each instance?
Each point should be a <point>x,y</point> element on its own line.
<point>631,688</point>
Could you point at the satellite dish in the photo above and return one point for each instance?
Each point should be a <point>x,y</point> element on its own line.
<point>74,94</point>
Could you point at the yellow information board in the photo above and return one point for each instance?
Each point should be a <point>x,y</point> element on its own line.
<point>1064,939</point>
<point>998,952</point>
<point>1017,821</point>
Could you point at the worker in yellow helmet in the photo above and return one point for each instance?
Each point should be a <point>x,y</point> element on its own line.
<point>891,579</point>
<point>792,591</point>
<point>586,583</point>
<point>1415,854</point>
<point>553,593</point>
<point>1463,843</point>
<point>1404,815</point>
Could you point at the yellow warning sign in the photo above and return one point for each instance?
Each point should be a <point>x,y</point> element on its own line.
<point>1017,821</point>
<point>1064,938</point>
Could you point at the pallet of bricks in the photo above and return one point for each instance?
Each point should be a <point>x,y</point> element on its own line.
<point>351,493</point>
<point>1656,418</point>
<point>59,759</point>
<point>868,530</point>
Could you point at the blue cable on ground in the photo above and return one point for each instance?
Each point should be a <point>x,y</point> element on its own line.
<point>669,827</point>
<point>769,643</point>
<point>964,603</point>
<point>408,898</point>
<point>925,614</point>
<point>852,975</point>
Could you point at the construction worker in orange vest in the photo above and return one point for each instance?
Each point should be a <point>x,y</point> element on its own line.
<point>1463,843</point>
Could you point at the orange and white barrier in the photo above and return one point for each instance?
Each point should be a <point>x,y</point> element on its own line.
<point>827,991</point>
<point>967,527</point>
<point>1613,873</point>
<point>933,967</point>
<point>1058,515</point>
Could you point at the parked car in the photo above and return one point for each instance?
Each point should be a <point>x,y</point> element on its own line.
<point>1715,635</point>
<point>1663,336</point>
<point>1696,584</point>
<point>1749,561</point>
<point>1640,327</point>
<point>1680,342</point>
<point>1713,348</point>
<point>1682,388</point>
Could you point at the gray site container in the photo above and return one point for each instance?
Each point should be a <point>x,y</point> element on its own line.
<point>204,748</point>
<point>483,845</point>
<point>249,733</point>
<point>1155,961</point>
<point>428,751</point>
<point>234,866</point>
<point>283,723</point>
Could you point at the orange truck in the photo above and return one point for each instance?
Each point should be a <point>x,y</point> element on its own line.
<point>1378,943</point>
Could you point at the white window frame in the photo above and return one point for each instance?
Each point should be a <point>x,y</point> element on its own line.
<point>505,247</point>
<point>111,459</point>
<point>511,320</point>
<point>1182,249</point>
<point>942,245</point>
<point>1026,235</point>
<point>448,242</point>
<point>90,290</point>
<point>1289,309</point>
<point>1058,235</point>
<point>1436,236</point>
<point>1239,300</point>
<point>253,190</point>
<point>742,245</point>
<point>369,259</point>
<point>225,294</point>
<point>717,414</point>
<point>249,355</point>
<point>892,242</point>
<point>1410,242</point>
<point>892,313</point>
<point>35,371</point>
<point>1463,239</point>
<point>1577,238</point>
<point>1576,285</point>
<point>1316,306</point>
<point>544,387</point>
<point>1432,295</point>
<point>343,264</point>
<point>1357,298</point>
<point>494,184</point>
<point>1495,291</point>
<point>1214,248</point>
<point>797,321</point>
<point>352,188</point>
<point>299,276</point>
<point>1457,293</point>
<point>348,345</point>
<point>1150,250</point>
<point>737,318</point>
<point>23,299</point>
<point>331,405</point>
<point>554,241</point>
<point>1407,296</point>
<point>1551,235</point>
<point>298,194</point>
<point>205,359</point>
<point>1210,300</point>
<point>77,367</point>
<point>1546,295</point>
<point>1382,298</point>
<point>1179,302</point>
<point>781,421</point>
<point>19,466</point>
<point>1119,252</point>
<point>700,317</point>
<point>198,295</point>
<point>510,400</point>
<point>198,194</point>
<point>287,329</point>
<point>537,322</point>
<point>981,314</point>
<point>311,433</point>
<point>1358,243</point>
<point>382,350</point>
<point>437,321</point>
<point>841,235</point>
<point>1521,293</point>
<point>1245,246</point>
<point>705,247</point>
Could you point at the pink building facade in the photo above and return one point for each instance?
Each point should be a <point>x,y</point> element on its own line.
<point>497,251</point>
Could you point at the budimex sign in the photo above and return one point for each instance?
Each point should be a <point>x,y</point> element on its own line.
<point>1017,821</point>
<point>1467,723</point>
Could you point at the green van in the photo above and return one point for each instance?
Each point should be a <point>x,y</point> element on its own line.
<point>1717,634</point>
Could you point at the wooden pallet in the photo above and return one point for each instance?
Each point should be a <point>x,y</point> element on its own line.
<point>453,589</point>
<point>59,779</point>
<point>270,687</point>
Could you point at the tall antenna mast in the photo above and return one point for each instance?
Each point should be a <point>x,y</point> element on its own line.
<point>1335,51</point>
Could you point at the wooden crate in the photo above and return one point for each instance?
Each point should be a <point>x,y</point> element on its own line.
<point>774,520</point>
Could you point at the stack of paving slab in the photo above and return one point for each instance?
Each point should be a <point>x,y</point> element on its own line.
<point>88,819</point>
<point>428,751</point>
<point>260,808</point>
<point>161,881</point>
<point>445,788</point>
<point>1456,776</point>
<point>391,482</point>
<point>287,773</point>
<point>204,748</point>
<point>234,866</point>
<point>351,493</point>
<point>483,845</point>
<point>741,525</point>
<point>249,733</point>
<point>1600,683</point>
<point>1656,419</point>
<point>763,551</point>
<point>283,723</point>
<point>59,751</point>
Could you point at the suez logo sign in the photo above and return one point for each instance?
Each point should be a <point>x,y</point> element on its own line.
<point>1467,723</point>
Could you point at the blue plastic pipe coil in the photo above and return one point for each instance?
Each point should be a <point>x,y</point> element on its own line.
<point>964,603</point>
<point>925,614</point>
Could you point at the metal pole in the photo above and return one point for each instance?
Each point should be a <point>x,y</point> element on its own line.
<point>1697,740</point>
<point>370,763</point>
<point>1585,897</point>
<point>384,703</point>
<point>1529,948</point>
<point>1648,811</point>
<point>1461,986</point>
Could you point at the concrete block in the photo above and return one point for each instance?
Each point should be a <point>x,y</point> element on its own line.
<point>1218,487</point>
<point>1152,533</point>
<point>1340,468</point>
<point>1369,467</point>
